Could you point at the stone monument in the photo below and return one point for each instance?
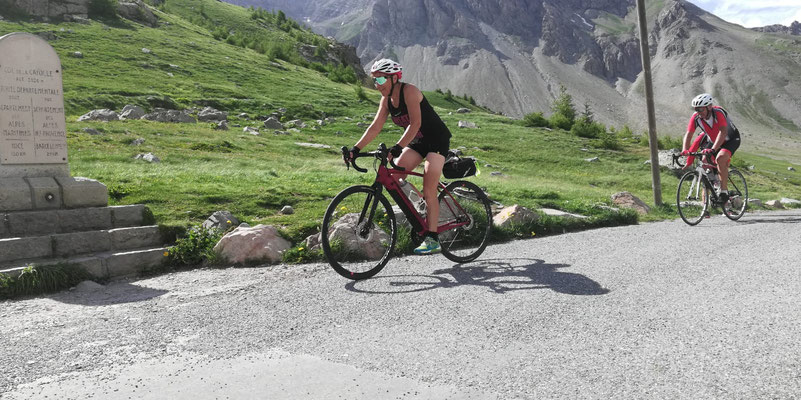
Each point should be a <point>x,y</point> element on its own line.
<point>46,215</point>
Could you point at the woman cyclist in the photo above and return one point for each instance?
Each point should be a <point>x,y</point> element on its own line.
<point>425,137</point>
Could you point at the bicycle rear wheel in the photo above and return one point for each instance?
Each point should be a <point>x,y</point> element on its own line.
<point>691,200</point>
<point>738,196</point>
<point>358,232</point>
<point>466,203</point>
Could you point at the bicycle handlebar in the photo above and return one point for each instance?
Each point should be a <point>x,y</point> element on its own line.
<point>678,156</point>
<point>380,154</point>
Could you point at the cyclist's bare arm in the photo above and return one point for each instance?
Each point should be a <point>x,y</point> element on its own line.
<point>375,127</point>
<point>687,138</point>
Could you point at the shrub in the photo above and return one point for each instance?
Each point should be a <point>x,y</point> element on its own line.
<point>564,105</point>
<point>560,121</point>
<point>583,127</point>
<point>360,93</point>
<point>625,132</point>
<point>535,120</point>
<point>610,141</point>
<point>449,95</point>
<point>195,248</point>
<point>36,279</point>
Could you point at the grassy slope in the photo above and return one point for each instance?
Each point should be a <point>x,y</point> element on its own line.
<point>204,170</point>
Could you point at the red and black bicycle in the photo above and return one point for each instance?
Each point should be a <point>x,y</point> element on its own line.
<point>360,228</point>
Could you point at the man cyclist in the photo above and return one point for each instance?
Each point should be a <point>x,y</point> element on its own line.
<point>719,137</point>
<point>425,137</point>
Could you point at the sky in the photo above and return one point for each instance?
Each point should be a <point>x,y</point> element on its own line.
<point>754,13</point>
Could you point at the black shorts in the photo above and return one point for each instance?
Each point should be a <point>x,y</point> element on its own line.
<point>423,146</point>
<point>731,144</point>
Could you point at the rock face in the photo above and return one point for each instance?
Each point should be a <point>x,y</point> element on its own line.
<point>136,10</point>
<point>512,55</point>
<point>252,244</point>
<point>793,29</point>
<point>54,9</point>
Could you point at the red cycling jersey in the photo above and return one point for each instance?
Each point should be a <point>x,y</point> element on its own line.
<point>719,124</point>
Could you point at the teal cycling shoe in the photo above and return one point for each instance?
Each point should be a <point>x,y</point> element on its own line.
<point>429,246</point>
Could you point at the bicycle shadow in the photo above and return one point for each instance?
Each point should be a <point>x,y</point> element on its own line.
<point>111,294</point>
<point>498,276</point>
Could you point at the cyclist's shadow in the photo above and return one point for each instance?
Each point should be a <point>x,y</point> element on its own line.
<point>499,276</point>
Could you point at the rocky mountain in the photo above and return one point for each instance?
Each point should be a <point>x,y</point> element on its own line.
<point>793,29</point>
<point>513,55</point>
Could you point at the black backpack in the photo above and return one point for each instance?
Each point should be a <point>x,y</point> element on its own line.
<point>729,123</point>
<point>456,167</point>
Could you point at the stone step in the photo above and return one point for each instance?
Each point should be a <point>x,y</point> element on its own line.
<point>105,265</point>
<point>78,243</point>
<point>44,222</point>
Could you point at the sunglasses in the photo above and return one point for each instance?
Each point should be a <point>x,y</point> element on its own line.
<point>699,109</point>
<point>380,80</point>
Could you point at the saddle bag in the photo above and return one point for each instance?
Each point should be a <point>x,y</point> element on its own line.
<point>456,167</point>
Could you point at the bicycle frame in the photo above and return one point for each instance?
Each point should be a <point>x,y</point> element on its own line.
<point>390,180</point>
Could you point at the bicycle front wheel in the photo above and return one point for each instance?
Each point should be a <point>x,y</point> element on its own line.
<point>466,204</point>
<point>358,232</point>
<point>691,199</point>
<point>738,196</point>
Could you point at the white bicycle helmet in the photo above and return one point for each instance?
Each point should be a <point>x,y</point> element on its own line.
<point>702,100</point>
<point>386,66</point>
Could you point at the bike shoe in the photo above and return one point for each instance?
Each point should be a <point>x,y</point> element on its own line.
<point>723,196</point>
<point>429,246</point>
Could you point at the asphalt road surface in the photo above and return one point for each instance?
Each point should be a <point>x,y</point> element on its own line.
<point>658,310</point>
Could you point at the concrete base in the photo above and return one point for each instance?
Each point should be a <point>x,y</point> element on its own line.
<point>34,170</point>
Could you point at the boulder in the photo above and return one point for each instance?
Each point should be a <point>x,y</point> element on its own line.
<point>628,200</point>
<point>91,131</point>
<point>149,157</point>
<point>467,124</point>
<point>220,220</point>
<point>774,204</point>
<point>273,123</point>
<point>371,247</point>
<point>251,130</point>
<point>559,213</point>
<point>513,215</point>
<point>755,202</point>
<point>99,115</point>
<point>136,10</point>
<point>287,210</point>
<point>162,115</point>
<point>131,111</point>
<point>592,160</point>
<point>463,110</point>
<point>789,202</point>
<point>252,244</point>
<point>212,114</point>
<point>221,126</point>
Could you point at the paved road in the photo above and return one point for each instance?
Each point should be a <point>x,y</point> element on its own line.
<point>648,311</point>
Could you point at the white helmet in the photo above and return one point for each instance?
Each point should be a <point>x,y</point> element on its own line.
<point>702,100</point>
<point>386,66</point>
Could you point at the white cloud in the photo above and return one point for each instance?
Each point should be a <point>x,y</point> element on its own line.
<point>750,13</point>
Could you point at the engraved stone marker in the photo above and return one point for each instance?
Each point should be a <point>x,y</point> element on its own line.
<point>33,141</point>
<point>34,173</point>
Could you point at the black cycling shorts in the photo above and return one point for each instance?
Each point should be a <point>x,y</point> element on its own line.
<point>732,144</point>
<point>423,146</point>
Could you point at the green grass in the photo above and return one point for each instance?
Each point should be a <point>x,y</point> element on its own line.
<point>204,170</point>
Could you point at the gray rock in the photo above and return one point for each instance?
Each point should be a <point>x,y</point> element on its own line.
<point>138,142</point>
<point>99,115</point>
<point>790,169</point>
<point>149,157</point>
<point>243,116</point>
<point>76,54</point>
<point>91,131</point>
<point>463,110</point>
<point>251,130</point>
<point>756,202</point>
<point>362,125</point>
<point>314,145</point>
<point>628,200</point>
<point>287,210</point>
<point>212,114</point>
<point>220,220</point>
<point>136,10</point>
<point>131,111</point>
<point>559,213</point>
<point>272,123</point>
<point>467,124</point>
<point>162,115</point>
<point>221,126</point>
<point>146,50</point>
<point>592,160</point>
<point>787,201</point>
<point>514,215</point>
<point>774,204</point>
<point>277,132</point>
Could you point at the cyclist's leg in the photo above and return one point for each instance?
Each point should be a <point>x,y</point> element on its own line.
<point>724,161</point>
<point>409,159</point>
<point>433,171</point>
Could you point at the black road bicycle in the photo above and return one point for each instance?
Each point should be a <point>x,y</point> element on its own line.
<point>697,192</point>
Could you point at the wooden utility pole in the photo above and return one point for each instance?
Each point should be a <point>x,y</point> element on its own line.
<point>656,182</point>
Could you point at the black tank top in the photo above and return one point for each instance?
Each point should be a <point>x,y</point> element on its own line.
<point>431,126</point>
